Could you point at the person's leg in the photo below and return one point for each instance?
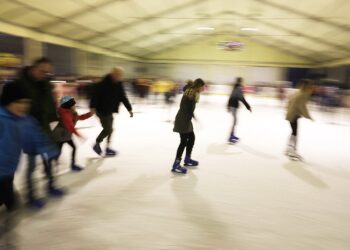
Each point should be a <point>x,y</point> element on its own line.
<point>234,114</point>
<point>73,166</point>
<point>60,145</point>
<point>29,178</point>
<point>293,137</point>
<point>8,193</point>
<point>183,143</point>
<point>8,197</point>
<point>72,145</point>
<point>190,143</point>
<point>107,125</point>
<point>50,178</point>
<point>189,147</point>
<point>110,130</point>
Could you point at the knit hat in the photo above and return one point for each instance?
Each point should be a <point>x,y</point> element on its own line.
<point>67,102</point>
<point>12,92</point>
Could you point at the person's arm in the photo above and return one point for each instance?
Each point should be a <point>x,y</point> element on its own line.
<point>190,103</point>
<point>303,109</point>
<point>125,100</point>
<point>243,100</point>
<point>85,116</point>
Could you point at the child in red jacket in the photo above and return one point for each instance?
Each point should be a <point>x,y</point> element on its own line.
<point>66,127</point>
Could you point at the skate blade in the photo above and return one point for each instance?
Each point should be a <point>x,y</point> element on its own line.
<point>295,158</point>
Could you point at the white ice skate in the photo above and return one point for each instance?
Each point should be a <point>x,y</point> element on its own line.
<point>294,156</point>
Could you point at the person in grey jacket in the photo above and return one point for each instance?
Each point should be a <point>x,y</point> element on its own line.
<point>296,109</point>
<point>233,105</point>
<point>183,125</point>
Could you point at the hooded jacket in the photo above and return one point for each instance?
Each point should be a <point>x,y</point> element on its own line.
<point>17,133</point>
<point>66,126</point>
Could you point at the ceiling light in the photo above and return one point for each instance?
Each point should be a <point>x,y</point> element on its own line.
<point>205,28</point>
<point>249,29</point>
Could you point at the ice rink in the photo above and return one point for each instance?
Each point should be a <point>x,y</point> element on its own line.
<point>246,196</point>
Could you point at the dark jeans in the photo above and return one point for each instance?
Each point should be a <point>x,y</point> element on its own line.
<point>107,125</point>
<point>30,171</point>
<point>7,195</point>
<point>74,149</point>
<point>234,114</point>
<point>294,125</point>
<point>187,141</point>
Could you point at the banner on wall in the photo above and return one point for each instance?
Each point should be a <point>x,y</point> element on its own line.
<point>10,60</point>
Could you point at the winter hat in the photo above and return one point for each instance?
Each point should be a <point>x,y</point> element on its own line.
<point>12,92</point>
<point>67,102</point>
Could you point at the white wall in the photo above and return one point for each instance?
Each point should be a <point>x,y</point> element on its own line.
<point>217,74</point>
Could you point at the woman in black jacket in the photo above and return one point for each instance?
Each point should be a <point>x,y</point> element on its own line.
<point>183,125</point>
<point>233,104</point>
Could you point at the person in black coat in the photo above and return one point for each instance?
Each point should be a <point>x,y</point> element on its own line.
<point>106,99</point>
<point>35,80</point>
<point>233,104</point>
<point>183,125</point>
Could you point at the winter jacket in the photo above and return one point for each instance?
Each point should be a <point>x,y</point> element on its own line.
<point>236,97</point>
<point>43,107</point>
<point>107,96</point>
<point>36,141</point>
<point>297,106</point>
<point>10,142</point>
<point>18,133</point>
<point>66,126</point>
<point>183,123</point>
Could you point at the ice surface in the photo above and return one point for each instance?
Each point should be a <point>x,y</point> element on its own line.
<point>247,196</point>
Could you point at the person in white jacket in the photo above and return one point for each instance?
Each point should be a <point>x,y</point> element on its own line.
<point>296,109</point>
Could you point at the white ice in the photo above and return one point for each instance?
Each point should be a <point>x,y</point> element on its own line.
<point>247,196</point>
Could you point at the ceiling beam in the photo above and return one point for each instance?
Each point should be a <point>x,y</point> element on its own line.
<point>306,15</point>
<point>335,62</point>
<point>21,31</point>
<point>124,43</point>
<point>241,16</point>
<point>78,13</point>
<point>164,48</point>
<point>147,18</point>
<point>30,7</point>
<point>296,33</point>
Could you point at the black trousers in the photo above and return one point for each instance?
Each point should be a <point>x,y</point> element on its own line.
<point>74,149</point>
<point>30,171</point>
<point>7,194</point>
<point>294,126</point>
<point>187,141</point>
<point>107,125</point>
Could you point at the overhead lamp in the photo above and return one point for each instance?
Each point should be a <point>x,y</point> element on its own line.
<point>205,28</point>
<point>249,29</point>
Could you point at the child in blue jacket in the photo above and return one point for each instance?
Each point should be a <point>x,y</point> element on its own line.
<point>17,132</point>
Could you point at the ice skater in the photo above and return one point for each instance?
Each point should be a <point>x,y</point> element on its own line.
<point>233,104</point>
<point>35,79</point>
<point>296,109</point>
<point>18,132</point>
<point>106,98</point>
<point>68,117</point>
<point>183,125</point>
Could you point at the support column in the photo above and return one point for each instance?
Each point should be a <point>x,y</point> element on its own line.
<point>32,50</point>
